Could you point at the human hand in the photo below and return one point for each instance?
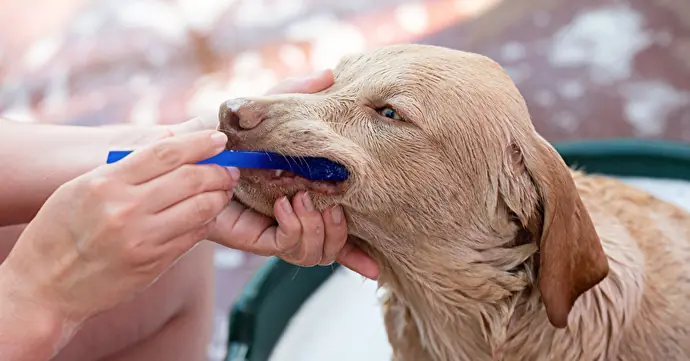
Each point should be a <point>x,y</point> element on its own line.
<point>108,234</point>
<point>303,235</point>
<point>304,238</point>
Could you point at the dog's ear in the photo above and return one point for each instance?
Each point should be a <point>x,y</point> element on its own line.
<point>571,258</point>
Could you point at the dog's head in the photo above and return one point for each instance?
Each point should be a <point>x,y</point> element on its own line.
<point>443,160</point>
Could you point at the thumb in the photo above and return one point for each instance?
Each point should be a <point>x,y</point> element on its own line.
<point>194,125</point>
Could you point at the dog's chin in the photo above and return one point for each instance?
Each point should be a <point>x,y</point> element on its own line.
<point>260,188</point>
<point>281,181</point>
<point>254,199</point>
<point>259,191</point>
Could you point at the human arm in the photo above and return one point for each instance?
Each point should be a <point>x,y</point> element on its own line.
<point>104,237</point>
<point>28,331</point>
<point>36,159</point>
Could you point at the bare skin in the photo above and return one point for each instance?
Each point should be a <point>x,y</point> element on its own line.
<point>171,319</point>
<point>94,244</point>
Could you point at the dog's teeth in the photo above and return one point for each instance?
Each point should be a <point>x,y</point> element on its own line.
<point>278,173</point>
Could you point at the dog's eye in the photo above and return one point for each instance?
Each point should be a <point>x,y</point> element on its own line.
<point>389,112</point>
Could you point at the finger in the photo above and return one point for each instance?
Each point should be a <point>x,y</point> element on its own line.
<point>310,249</point>
<point>289,232</point>
<point>189,214</point>
<point>194,125</point>
<point>176,248</point>
<point>170,153</point>
<point>187,181</point>
<point>336,234</point>
<point>358,261</point>
<point>310,84</point>
<point>184,243</point>
<point>244,229</point>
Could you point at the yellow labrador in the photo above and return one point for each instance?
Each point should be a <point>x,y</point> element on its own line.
<point>491,247</point>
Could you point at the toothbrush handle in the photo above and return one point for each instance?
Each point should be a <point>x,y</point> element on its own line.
<point>228,158</point>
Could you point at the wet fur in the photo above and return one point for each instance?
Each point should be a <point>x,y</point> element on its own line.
<point>491,248</point>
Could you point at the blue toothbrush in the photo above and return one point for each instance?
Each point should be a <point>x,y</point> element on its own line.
<point>312,168</point>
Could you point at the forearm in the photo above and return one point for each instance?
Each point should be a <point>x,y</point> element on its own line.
<point>36,159</point>
<point>27,332</point>
<point>25,338</point>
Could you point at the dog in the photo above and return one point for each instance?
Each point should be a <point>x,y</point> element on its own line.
<point>491,247</point>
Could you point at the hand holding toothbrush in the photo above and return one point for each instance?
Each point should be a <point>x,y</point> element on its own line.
<point>107,235</point>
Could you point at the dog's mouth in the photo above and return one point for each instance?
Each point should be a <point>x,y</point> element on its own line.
<point>287,180</point>
<point>282,181</point>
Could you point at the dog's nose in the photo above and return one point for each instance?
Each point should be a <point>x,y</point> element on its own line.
<point>241,114</point>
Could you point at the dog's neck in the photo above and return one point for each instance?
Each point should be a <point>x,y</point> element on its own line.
<point>493,312</point>
<point>460,311</point>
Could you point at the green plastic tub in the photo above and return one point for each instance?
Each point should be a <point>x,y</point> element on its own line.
<point>275,294</point>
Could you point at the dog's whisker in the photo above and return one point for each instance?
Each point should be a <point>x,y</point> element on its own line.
<point>296,272</point>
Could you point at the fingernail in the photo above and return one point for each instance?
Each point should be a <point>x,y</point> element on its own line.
<point>219,139</point>
<point>230,194</point>
<point>286,205</point>
<point>306,201</point>
<point>234,173</point>
<point>337,214</point>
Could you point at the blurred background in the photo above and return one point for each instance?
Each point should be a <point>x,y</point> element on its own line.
<point>587,68</point>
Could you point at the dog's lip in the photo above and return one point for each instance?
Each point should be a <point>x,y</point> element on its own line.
<point>287,181</point>
<point>236,141</point>
<point>338,162</point>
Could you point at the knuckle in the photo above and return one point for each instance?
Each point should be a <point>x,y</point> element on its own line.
<point>116,218</point>
<point>286,243</point>
<point>207,206</point>
<point>166,153</point>
<point>316,229</point>
<point>96,186</point>
<point>193,178</point>
<point>135,252</point>
<point>223,176</point>
<point>203,208</point>
<point>200,234</point>
<point>291,230</point>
